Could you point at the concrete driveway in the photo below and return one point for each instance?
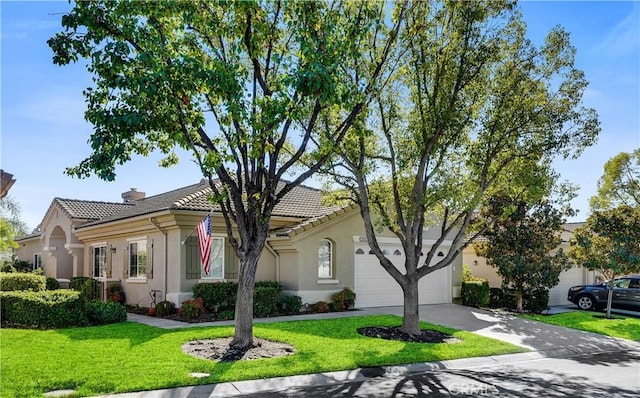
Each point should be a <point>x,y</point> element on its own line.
<point>553,341</point>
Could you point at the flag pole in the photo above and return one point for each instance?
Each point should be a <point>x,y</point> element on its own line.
<point>193,229</point>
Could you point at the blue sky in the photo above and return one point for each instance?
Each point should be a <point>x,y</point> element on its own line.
<point>43,130</point>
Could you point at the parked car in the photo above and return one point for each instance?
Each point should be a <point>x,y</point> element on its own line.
<point>626,294</point>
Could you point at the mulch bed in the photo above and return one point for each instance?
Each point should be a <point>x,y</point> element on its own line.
<point>394,333</point>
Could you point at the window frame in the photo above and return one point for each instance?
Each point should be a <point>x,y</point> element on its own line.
<point>102,267</point>
<point>137,241</point>
<point>331,261</point>
<point>221,257</point>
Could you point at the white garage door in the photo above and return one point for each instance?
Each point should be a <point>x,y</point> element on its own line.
<point>572,277</point>
<point>374,287</point>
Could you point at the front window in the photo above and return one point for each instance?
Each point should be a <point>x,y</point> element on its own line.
<point>215,268</point>
<point>325,259</point>
<point>138,259</point>
<point>99,261</point>
<point>37,261</point>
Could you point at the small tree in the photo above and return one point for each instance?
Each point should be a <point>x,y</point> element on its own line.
<point>610,243</point>
<point>523,245</point>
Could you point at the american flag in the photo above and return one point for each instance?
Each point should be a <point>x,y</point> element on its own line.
<point>204,241</point>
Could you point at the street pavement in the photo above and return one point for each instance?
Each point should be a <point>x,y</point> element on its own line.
<point>562,362</point>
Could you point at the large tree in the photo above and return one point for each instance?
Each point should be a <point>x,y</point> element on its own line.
<point>240,84</point>
<point>620,183</point>
<point>610,243</point>
<point>473,108</point>
<point>523,244</point>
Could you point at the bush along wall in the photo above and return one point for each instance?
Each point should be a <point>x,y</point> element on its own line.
<point>101,313</point>
<point>220,298</point>
<point>14,281</point>
<point>475,293</point>
<point>50,309</point>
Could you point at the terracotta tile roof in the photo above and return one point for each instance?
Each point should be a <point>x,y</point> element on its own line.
<point>302,202</point>
<point>91,210</point>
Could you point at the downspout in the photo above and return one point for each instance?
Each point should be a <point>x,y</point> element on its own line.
<point>166,254</point>
<point>277,260</point>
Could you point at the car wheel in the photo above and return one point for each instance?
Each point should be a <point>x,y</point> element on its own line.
<point>586,303</point>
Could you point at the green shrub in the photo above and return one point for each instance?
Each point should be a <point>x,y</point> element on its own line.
<point>536,301</point>
<point>192,309</point>
<point>7,267</point>
<point>52,283</point>
<point>321,306</point>
<point>22,266</point>
<point>88,287</point>
<point>101,313</point>
<point>289,305</point>
<point>217,296</point>
<point>116,294</point>
<point>49,309</point>
<point>270,284</point>
<point>165,308</point>
<point>22,281</point>
<point>225,315</point>
<point>265,301</point>
<point>475,293</point>
<point>343,300</point>
<point>497,298</point>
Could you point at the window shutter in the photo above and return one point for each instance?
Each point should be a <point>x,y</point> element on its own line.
<point>150,258</point>
<point>125,263</point>
<point>109,265</point>
<point>192,266</point>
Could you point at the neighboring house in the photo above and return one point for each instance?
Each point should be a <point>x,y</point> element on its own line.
<point>6,182</point>
<point>576,275</point>
<point>150,244</point>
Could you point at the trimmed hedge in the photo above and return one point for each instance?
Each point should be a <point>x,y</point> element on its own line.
<point>475,293</point>
<point>90,288</point>
<point>265,301</point>
<point>101,313</point>
<point>49,309</point>
<point>536,301</point>
<point>289,305</point>
<point>220,297</point>
<point>18,281</point>
<point>217,296</point>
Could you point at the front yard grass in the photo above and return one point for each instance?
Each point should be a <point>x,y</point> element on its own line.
<point>625,327</point>
<point>129,356</point>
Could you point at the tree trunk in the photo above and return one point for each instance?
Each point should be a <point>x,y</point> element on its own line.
<point>519,301</point>
<point>411,320</point>
<point>243,336</point>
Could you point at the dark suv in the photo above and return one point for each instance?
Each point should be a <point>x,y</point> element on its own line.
<point>626,294</point>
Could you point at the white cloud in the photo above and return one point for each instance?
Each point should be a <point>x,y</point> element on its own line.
<point>623,38</point>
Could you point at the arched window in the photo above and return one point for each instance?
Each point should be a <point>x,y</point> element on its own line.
<point>325,259</point>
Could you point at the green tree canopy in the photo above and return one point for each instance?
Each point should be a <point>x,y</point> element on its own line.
<point>523,244</point>
<point>240,84</point>
<point>620,183</point>
<point>473,109</point>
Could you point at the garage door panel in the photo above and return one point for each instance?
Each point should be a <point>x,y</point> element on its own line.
<point>374,287</point>
<point>572,277</point>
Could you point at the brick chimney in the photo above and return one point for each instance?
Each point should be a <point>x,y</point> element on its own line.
<point>133,196</point>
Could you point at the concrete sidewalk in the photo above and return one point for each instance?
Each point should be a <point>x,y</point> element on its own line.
<point>544,341</point>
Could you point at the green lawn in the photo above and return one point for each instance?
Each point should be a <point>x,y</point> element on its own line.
<point>132,357</point>
<point>625,327</point>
